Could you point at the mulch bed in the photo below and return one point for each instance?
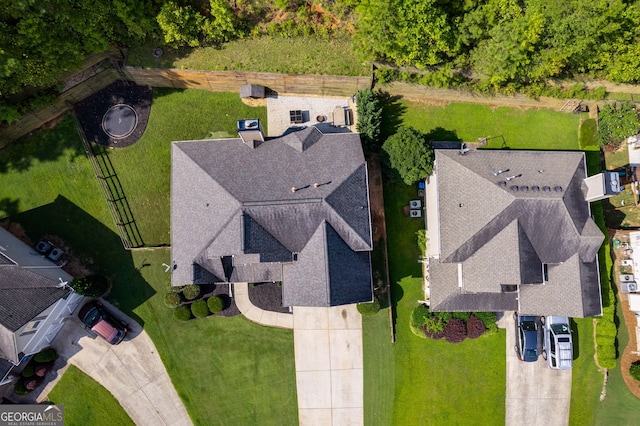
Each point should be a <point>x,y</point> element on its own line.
<point>222,290</point>
<point>267,296</point>
<point>91,110</point>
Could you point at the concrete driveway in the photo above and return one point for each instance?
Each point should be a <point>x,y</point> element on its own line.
<point>132,371</point>
<point>536,394</point>
<point>328,355</point>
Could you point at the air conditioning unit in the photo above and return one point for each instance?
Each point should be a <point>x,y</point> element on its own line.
<point>627,287</point>
<point>626,278</point>
<point>415,204</point>
<point>626,262</point>
<point>415,213</point>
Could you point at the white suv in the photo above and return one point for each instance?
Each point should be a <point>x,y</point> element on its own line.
<point>557,347</point>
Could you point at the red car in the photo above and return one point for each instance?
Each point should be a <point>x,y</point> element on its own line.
<point>102,322</point>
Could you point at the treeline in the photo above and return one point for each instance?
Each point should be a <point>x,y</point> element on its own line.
<point>497,44</point>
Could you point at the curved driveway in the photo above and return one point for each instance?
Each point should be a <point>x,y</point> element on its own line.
<point>132,371</point>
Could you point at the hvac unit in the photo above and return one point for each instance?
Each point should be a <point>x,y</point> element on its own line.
<point>415,213</point>
<point>626,262</point>
<point>626,278</point>
<point>415,204</point>
<point>628,287</point>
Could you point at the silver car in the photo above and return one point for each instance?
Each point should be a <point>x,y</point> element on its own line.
<point>557,345</point>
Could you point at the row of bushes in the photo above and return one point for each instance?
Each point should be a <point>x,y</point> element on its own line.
<point>454,327</point>
<point>34,372</point>
<point>199,309</point>
<point>606,330</point>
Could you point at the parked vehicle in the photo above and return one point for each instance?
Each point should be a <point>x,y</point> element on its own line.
<point>102,323</point>
<point>557,345</point>
<point>527,337</point>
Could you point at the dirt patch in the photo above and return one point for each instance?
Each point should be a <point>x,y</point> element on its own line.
<point>254,102</point>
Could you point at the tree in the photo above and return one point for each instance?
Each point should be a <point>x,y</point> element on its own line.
<point>410,154</point>
<point>180,25</point>
<point>90,286</point>
<point>369,118</point>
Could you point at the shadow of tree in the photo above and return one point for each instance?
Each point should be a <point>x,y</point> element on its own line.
<point>9,207</point>
<point>392,112</point>
<point>98,247</point>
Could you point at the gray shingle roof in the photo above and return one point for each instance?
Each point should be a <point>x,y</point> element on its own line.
<point>503,231</point>
<point>229,200</point>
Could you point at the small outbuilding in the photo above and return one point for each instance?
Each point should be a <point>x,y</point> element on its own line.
<point>254,91</point>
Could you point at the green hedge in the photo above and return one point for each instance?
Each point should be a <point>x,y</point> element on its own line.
<point>46,355</point>
<point>199,309</point>
<point>634,370</point>
<point>370,308</point>
<point>215,304</point>
<point>191,291</point>
<point>90,286</point>
<point>182,313</point>
<point>172,299</point>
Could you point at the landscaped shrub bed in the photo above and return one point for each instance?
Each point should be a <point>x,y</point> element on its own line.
<point>369,308</point>
<point>34,372</point>
<point>634,370</point>
<point>454,327</point>
<point>198,301</point>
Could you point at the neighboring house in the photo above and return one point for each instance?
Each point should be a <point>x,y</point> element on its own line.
<point>33,301</point>
<point>512,230</point>
<point>293,209</point>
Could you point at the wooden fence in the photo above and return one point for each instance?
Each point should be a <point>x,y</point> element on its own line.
<point>33,120</point>
<point>230,81</point>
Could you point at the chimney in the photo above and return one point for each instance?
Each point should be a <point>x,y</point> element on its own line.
<point>250,131</point>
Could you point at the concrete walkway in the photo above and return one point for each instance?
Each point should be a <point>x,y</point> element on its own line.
<point>536,394</point>
<point>132,371</point>
<point>328,357</point>
<point>257,315</point>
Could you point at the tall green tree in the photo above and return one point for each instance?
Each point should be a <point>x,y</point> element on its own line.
<point>410,154</point>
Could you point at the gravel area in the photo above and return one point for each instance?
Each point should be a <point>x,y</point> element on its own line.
<point>267,296</point>
<point>91,111</point>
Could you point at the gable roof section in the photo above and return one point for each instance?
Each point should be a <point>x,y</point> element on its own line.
<point>502,231</point>
<point>259,229</point>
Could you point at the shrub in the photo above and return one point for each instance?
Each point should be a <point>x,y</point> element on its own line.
<point>634,370</point>
<point>606,356</point>
<point>172,299</point>
<point>370,308</point>
<point>606,328</point>
<point>408,153</point>
<point>418,317</point>
<point>464,316</point>
<point>91,286</point>
<point>489,320</point>
<point>42,369</point>
<point>191,291</point>
<point>29,370</point>
<point>182,313</point>
<point>46,355</point>
<point>455,331</point>
<point>444,316</point>
<point>616,122</point>
<point>215,304</point>
<point>369,118</point>
<point>20,389</point>
<point>422,240</point>
<point>199,309</point>
<point>475,327</point>
<point>434,328</point>
<point>32,383</point>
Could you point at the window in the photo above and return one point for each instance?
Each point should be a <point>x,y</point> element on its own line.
<point>26,333</point>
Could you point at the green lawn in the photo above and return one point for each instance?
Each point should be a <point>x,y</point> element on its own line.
<point>227,370</point>
<point>293,55</point>
<point>435,382</point>
<point>517,129</point>
<point>144,169</point>
<point>100,409</point>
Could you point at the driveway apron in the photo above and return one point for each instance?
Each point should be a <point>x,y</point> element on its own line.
<point>132,371</point>
<point>328,355</point>
<point>536,394</point>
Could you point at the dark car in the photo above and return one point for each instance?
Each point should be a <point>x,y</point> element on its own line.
<point>102,323</point>
<point>527,337</point>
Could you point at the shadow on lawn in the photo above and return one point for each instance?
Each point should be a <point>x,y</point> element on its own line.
<point>98,247</point>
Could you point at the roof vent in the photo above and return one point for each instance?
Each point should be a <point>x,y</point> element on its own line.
<point>535,188</point>
<point>557,188</point>
<point>524,188</point>
<point>546,188</point>
<point>502,183</point>
<point>514,188</point>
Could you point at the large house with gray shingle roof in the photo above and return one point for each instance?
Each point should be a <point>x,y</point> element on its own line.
<point>512,230</point>
<point>33,301</point>
<point>292,209</point>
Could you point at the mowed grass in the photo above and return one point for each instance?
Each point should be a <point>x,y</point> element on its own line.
<point>503,127</point>
<point>291,55</point>
<point>86,402</point>
<point>228,371</point>
<point>37,169</point>
<point>435,382</point>
<point>144,169</point>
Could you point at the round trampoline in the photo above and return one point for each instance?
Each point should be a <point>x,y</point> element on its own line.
<point>120,121</point>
